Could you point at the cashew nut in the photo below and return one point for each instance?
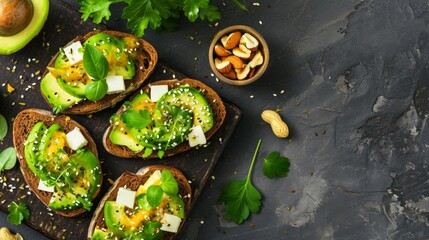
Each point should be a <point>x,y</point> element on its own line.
<point>279,127</point>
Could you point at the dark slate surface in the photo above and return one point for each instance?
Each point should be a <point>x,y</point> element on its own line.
<point>355,81</point>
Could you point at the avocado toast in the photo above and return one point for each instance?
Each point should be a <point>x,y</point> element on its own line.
<point>58,159</point>
<point>66,81</point>
<point>188,104</point>
<point>144,219</point>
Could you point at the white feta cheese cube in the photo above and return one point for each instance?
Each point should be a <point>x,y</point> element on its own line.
<point>75,139</point>
<point>42,186</point>
<point>126,197</point>
<point>72,52</point>
<point>196,136</point>
<point>170,223</point>
<point>115,84</point>
<point>156,92</point>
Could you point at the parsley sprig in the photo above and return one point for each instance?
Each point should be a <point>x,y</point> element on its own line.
<point>241,197</point>
<point>156,14</point>
<point>17,213</point>
<point>276,165</point>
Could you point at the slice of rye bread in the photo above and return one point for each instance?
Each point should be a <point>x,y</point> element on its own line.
<point>214,100</point>
<point>133,181</point>
<point>145,65</point>
<point>22,125</point>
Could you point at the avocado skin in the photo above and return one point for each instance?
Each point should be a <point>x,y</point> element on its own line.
<point>14,43</point>
<point>56,95</point>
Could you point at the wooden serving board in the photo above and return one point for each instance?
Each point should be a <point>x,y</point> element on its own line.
<point>22,71</point>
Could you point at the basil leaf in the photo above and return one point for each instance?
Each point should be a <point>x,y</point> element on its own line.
<point>169,184</point>
<point>7,158</point>
<point>95,63</point>
<point>135,119</point>
<point>154,195</point>
<point>142,202</point>
<point>3,127</point>
<point>96,90</point>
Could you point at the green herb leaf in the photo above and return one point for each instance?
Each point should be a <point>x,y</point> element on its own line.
<point>154,195</point>
<point>134,119</point>
<point>3,127</point>
<point>241,197</point>
<point>86,203</point>
<point>161,154</point>
<point>142,202</point>
<point>147,152</point>
<point>169,184</point>
<point>151,228</point>
<point>276,165</point>
<point>140,15</point>
<point>7,159</point>
<point>240,5</point>
<point>95,9</point>
<point>96,90</point>
<point>155,14</point>
<point>95,64</point>
<point>17,213</point>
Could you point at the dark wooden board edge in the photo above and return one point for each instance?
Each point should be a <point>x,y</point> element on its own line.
<point>60,27</point>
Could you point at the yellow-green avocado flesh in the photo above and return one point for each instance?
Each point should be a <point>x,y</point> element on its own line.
<point>12,44</point>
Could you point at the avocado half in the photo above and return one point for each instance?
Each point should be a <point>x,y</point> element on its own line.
<point>11,44</point>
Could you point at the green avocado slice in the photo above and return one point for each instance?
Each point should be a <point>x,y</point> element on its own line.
<point>192,99</point>
<point>31,148</point>
<point>55,95</point>
<point>14,43</point>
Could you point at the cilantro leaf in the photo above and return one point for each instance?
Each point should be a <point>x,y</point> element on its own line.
<point>7,159</point>
<point>241,197</point>
<point>276,165</point>
<point>134,119</point>
<point>95,9</point>
<point>17,213</point>
<point>169,184</point>
<point>3,127</point>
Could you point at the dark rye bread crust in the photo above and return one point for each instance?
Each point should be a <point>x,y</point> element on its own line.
<point>214,100</point>
<point>133,181</point>
<point>22,125</point>
<point>145,65</point>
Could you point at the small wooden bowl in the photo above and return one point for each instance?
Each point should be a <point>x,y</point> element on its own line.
<point>263,47</point>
